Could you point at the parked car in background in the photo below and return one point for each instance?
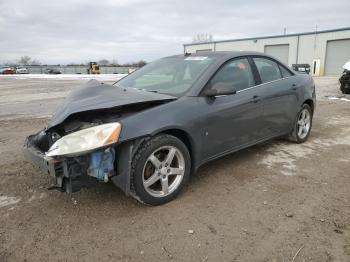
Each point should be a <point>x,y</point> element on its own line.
<point>303,68</point>
<point>150,130</point>
<point>21,70</point>
<point>345,79</point>
<point>5,70</point>
<point>53,71</point>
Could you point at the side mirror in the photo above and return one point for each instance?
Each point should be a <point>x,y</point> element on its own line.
<point>220,89</point>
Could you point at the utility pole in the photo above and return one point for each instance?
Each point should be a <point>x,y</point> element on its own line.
<point>315,38</point>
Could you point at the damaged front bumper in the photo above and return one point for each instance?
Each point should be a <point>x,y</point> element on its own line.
<point>73,173</point>
<point>46,164</point>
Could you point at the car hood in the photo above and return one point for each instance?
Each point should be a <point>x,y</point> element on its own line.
<point>95,95</point>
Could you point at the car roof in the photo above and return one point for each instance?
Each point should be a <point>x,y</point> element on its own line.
<point>221,54</point>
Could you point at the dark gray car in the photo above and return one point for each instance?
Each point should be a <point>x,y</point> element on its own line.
<point>149,131</point>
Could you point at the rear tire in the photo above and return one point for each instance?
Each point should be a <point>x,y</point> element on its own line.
<point>160,169</point>
<point>302,126</point>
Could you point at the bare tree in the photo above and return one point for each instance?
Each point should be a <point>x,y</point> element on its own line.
<point>114,62</point>
<point>35,62</point>
<point>24,60</point>
<point>27,60</point>
<point>9,63</point>
<point>141,63</point>
<point>103,62</point>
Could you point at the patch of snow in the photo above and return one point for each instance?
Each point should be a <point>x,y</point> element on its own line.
<point>31,97</point>
<point>338,121</point>
<point>23,116</point>
<point>101,77</point>
<point>284,156</point>
<point>42,195</point>
<point>37,196</point>
<point>7,201</point>
<point>338,98</point>
<point>33,197</point>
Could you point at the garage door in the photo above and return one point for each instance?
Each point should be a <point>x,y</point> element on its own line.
<point>338,52</point>
<point>281,52</point>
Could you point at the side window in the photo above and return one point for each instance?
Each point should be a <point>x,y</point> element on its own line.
<point>236,73</point>
<point>268,69</point>
<point>285,72</point>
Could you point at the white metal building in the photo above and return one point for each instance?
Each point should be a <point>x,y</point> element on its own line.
<point>325,51</point>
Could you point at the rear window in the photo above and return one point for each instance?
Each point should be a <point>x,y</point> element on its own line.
<point>285,72</point>
<point>268,69</point>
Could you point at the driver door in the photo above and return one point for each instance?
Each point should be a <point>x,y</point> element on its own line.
<point>232,121</point>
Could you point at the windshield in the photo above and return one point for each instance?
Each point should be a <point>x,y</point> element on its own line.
<point>172,76</point>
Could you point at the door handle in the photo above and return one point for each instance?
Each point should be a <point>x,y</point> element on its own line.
<point>294,86</point>
<point>256,99</point>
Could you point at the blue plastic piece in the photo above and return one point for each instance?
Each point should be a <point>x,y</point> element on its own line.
<point>102,164</point>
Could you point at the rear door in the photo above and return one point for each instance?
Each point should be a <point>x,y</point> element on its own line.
<point>280,98</point>
<point>232,121</point>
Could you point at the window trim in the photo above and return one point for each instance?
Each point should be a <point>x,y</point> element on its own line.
<point>251,57</point>
<point>224,64</point>
<point>255,70</point>
<point>263,84</point>
<point>271,59</point>
<point>282,66</point>
<point>257,78</point>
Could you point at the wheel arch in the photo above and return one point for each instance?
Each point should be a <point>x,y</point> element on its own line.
<point>184,137</point>
<point>310,103</point>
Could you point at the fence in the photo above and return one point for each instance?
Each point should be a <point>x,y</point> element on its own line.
<point>80,69</point>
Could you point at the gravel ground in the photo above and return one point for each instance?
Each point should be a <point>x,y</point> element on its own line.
<point>272,202</point>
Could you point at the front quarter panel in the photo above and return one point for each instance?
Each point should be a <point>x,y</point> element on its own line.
<point>182,114</point>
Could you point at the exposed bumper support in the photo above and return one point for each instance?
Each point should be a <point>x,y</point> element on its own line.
<point>35,156</point>
<point>69,173</point>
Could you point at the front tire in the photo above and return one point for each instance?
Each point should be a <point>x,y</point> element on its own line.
<point>302,125</point>
<point>160,169</point>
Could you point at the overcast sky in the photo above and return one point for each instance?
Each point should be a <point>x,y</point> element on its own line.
<point>65,31</point>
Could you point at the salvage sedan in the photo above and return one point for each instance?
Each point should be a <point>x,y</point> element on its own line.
<point>151,130</point>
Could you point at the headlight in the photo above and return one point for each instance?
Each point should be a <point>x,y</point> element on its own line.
<point>86,140</point>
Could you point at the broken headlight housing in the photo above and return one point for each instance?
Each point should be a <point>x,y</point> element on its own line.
<point>86,140</point>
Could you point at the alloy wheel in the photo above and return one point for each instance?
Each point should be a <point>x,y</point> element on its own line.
<point>163,171</point>
<point>304,123</point>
